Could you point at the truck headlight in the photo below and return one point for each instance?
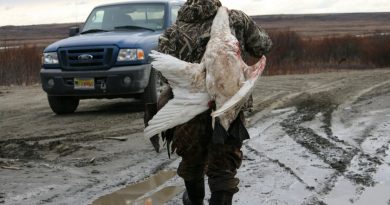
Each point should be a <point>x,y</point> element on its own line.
<point>50,58</point>
<point>130,55</point>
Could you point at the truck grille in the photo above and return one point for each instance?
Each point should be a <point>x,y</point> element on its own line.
<point>97,58</point>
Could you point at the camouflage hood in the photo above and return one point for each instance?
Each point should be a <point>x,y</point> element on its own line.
<point>198,10</point>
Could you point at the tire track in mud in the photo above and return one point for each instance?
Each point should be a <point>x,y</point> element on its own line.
<point>338,154</point>
<point>314,192</point>
<point>282,99</point>
<point>366,92</point>
<point>280,164</point>
<point>382,151</point>
<point>349,161</point>
<point>64,143</point>
<point>335,156</point>
<point>43,137</point>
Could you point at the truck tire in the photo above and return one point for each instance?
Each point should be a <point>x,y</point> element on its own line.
<point>63,105</point>
<point>150,92</point>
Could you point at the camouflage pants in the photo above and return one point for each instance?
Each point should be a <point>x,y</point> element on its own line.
<point>192,141</point>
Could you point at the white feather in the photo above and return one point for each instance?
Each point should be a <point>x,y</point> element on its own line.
<point>238,100</point>
<point>177,111</point>
<point>190,96</point>
<point>179,73</point>
<point>188,80</point>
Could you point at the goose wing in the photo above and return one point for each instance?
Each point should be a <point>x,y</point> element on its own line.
<point>190,97</point>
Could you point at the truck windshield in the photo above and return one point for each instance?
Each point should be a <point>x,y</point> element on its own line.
<point>148,16</point>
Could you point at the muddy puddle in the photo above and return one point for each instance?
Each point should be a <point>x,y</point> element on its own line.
<point>147,192</point>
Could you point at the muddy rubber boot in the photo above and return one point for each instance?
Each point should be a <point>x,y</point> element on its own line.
<point>221,198</point>
<point>194,193</point>
<point>150,111</point>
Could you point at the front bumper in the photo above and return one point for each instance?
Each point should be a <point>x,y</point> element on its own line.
<point>108,83</point>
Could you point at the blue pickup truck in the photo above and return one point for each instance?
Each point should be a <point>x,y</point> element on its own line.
<point>108,57</point>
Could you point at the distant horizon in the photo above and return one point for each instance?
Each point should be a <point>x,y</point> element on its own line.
<point>255,15</point>
<point>38,12</point>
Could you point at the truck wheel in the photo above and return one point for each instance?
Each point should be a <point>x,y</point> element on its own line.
<point>150,92</point>
<point>63,105</point>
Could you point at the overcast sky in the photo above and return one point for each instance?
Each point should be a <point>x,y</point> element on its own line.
<point>27,12</point>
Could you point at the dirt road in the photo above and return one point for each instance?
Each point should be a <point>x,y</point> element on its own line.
<point>316,139</point>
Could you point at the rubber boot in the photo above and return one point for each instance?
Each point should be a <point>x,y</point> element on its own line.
<point>194,193</point>
<point>221,198</point>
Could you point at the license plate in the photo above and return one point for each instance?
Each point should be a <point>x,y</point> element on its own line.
<point>84,83</point>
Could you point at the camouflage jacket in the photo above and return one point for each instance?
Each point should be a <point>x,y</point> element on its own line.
<point>188,37</point>
<point>187,40</point>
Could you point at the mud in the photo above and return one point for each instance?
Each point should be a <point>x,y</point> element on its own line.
<point>339,158</point>
<point>307,109</point>
<point>141,192</point>
<point>25,150</point>
<point>315,139</point>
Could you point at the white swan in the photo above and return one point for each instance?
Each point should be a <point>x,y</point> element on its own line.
<point>221,76</point>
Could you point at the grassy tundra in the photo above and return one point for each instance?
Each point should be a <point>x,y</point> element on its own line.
<point>302,44</point>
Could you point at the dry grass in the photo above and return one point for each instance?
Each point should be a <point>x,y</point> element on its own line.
<point>20,65</point>
<point>322,25</point>
<point>291,54</point>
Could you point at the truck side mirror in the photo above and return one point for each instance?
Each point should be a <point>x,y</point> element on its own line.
<point>73,31</point>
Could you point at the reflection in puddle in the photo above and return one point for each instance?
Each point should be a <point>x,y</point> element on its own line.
<point>143,192</point>
<point>162,196</point>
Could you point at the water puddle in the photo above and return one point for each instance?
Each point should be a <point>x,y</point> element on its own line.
<point>143,193</point>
